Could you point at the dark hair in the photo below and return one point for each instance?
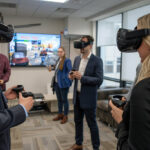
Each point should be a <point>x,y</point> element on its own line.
<point>89,38</point>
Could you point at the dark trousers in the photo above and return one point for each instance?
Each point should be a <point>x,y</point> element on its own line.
<point>90,115</point>
<point>62,97</point>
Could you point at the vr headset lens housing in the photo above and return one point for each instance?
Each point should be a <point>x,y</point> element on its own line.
<point>81,44</point>
<point>6,33</point>
<point>130,40</point>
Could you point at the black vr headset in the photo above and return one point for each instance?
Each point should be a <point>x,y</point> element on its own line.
<point>6,33</point>
<point>130,40</point>
<point>82,44</point>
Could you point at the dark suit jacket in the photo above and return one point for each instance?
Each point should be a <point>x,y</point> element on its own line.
<point>9,117</point>
<point>90,81</point>
<point>133,132</point>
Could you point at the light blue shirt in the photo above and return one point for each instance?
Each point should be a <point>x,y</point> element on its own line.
<point>24,110</point>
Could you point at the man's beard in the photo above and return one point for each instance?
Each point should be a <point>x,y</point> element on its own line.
<point>82,51</point>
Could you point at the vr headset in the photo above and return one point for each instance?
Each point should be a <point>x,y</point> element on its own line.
<point>82,44</point>
<point>130,40</point>
<point>6,33</point>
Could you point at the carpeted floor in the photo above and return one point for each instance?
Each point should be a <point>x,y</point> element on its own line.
<point>39,132</point>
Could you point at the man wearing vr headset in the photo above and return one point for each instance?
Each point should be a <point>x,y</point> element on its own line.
<point>10,117</point>
<point>88,75</point>
<point>133,131</point>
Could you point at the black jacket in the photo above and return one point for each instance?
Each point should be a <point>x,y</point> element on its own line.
<point>90,81</point>
<point>9,117</point>
<point>134,131</point>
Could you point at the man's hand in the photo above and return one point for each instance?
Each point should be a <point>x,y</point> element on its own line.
<point>10,94</point>
<point>71,75</point>
<point>116,112</point>
<point>1,82</point>
<point>77,75</point>
<point>26,102</point>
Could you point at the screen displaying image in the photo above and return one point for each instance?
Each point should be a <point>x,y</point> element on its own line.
<point>34,49</point>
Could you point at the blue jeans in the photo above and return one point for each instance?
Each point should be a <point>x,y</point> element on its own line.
<point>62,97</point>
<point>90,115</point>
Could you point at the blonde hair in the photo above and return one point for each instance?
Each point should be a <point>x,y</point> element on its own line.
<point>144,23</point>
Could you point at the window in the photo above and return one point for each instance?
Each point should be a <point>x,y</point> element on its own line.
<point>106,40</point>
<point>106,43</point>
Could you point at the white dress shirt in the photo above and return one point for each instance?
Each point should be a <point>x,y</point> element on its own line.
<point>82,67</point>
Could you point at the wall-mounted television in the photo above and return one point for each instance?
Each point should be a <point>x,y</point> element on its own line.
<point>28,49</point>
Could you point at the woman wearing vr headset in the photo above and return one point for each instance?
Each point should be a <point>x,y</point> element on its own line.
<point>133,131</point>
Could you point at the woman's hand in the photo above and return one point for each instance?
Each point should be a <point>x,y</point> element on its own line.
<point>50,68</point>
<point>71,75</point>
<point>10,94</point>
<point>116,112</point>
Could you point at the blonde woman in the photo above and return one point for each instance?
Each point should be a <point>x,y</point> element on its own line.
<point>134,125</point>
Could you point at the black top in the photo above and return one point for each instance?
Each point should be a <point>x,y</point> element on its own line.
<point>134,131</point>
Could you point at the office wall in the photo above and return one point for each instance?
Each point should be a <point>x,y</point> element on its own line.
<point>37,79</point>
<point>34,79</point>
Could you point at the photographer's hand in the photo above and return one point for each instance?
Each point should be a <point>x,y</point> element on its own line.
<point>116,112</point>
<point>26,102</point>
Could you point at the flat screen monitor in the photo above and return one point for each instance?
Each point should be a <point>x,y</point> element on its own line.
<point>28,49</point>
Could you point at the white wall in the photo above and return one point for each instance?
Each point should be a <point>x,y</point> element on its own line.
<point>35,79</point>
<point>79,26</point>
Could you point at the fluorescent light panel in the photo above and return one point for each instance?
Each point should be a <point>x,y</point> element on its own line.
<point>56,1</point>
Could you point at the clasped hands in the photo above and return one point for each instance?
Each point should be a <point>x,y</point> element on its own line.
<point>75,75</point>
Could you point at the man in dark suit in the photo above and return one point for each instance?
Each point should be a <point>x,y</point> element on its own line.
<point>10,117</point>
<point>88,76</point>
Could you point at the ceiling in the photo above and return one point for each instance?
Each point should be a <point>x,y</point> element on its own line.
<point>39,8</point>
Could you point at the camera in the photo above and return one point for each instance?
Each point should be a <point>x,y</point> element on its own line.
<point>20,88</point>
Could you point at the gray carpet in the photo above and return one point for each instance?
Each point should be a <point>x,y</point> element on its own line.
<point>39,132</point>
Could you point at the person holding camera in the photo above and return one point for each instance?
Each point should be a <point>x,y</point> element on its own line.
<point>5,71</point>
<point>88,75</point>
<point>62,84</point>
<point>133,130</point>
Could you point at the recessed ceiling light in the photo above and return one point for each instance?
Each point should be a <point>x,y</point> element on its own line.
<point>57,1</point>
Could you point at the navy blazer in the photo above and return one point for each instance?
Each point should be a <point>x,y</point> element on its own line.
<point>9,117</point>
<point>90,81</point>
<point>62,75</point>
